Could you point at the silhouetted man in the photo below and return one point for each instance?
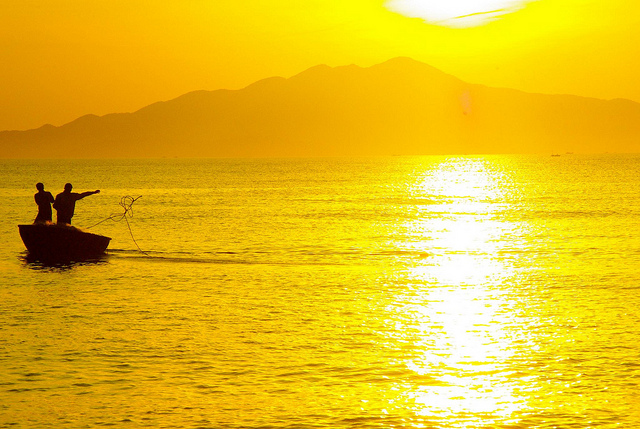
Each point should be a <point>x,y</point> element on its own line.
<point>65,203</point>
<point>43,200</point>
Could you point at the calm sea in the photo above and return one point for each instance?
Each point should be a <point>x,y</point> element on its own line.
<point>426,292</point>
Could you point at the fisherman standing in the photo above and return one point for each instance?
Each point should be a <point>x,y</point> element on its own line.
<point>43,200</point>
<point>65,203</point>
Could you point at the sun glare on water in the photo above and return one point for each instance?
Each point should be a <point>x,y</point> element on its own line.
<point>464,318</point>
<point>455,13</point>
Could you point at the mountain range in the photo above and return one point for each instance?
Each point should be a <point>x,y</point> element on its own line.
<point>399,107</point>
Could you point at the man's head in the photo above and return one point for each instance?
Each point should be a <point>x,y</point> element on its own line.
<point>68,187</point>
<point>39,186</point>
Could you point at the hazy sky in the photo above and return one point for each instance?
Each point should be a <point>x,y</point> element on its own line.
<point>62,59</point>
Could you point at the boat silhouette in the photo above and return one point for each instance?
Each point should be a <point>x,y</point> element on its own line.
<point>53,242</point>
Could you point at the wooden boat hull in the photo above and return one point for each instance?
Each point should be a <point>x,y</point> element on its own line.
<point>62,242</point>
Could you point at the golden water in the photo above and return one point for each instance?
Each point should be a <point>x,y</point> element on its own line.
<point>433,292</point>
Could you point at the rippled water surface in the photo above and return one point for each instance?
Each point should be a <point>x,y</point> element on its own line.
<point>431,292</point>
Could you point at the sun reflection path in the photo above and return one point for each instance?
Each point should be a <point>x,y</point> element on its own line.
<point>462,321</point>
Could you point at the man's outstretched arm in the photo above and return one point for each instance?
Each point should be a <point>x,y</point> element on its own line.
<point>86,194</point>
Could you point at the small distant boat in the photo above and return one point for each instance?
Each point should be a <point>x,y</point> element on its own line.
<point>52,242</point>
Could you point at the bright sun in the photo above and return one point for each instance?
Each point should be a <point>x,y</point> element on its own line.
<point>455,13</point>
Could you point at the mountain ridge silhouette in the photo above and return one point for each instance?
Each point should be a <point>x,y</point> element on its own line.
<point>398,107</point>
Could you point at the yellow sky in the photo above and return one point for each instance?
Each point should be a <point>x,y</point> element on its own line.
<point>65,58</point>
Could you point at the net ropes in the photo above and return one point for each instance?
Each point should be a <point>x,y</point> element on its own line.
<point>126,203</point>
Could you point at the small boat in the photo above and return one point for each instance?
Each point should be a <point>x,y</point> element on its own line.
<point>53,242</point>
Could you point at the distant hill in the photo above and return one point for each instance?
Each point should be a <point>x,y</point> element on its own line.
<point>400,107</point>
